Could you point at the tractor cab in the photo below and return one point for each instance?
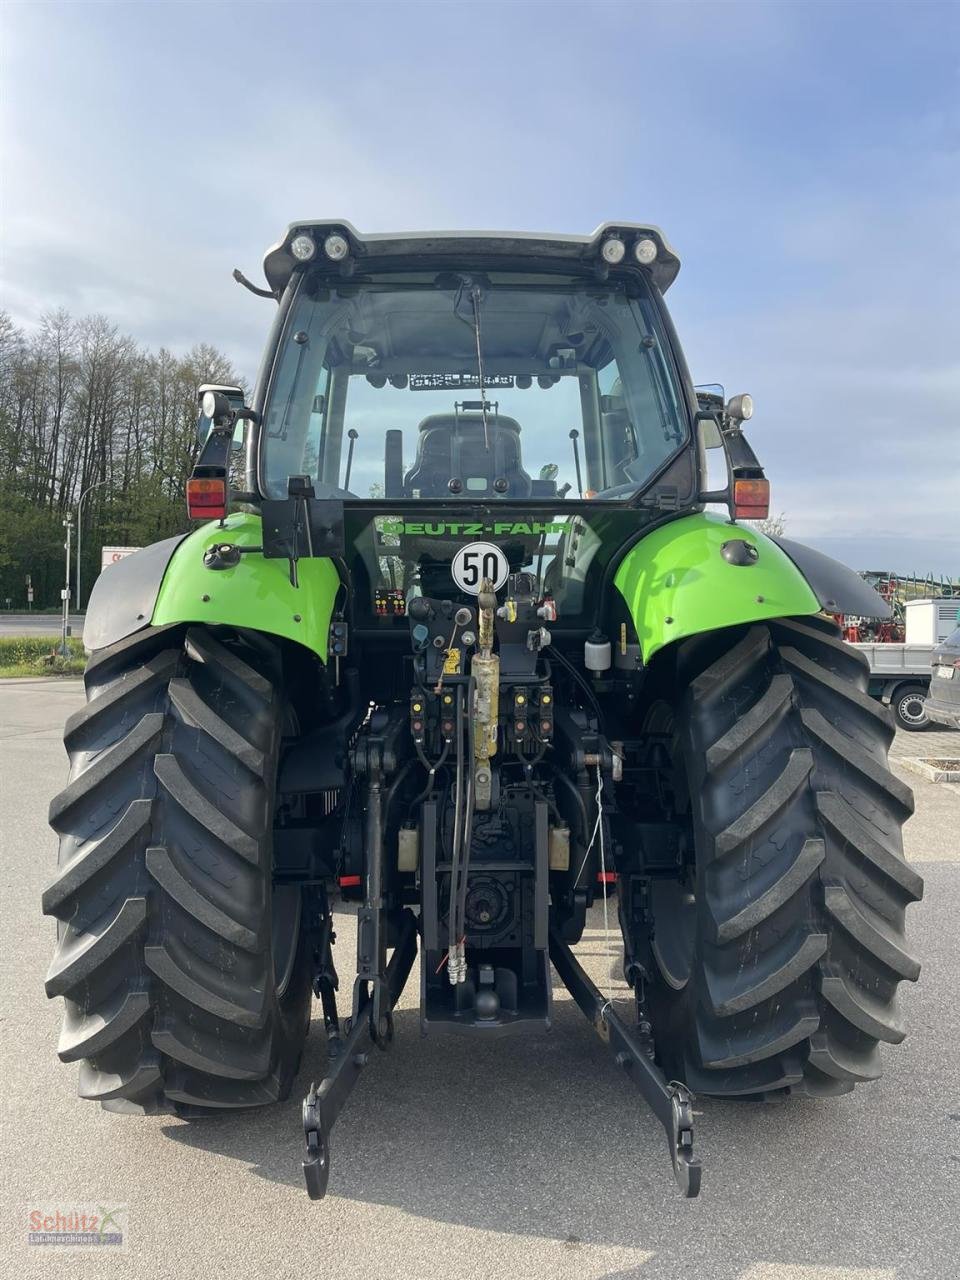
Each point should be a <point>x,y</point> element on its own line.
<point>521,374</point>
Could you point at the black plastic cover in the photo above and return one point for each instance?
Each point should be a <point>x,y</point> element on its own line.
<point>838,588</point>
<point>282,536</point>
<point>124,596</point>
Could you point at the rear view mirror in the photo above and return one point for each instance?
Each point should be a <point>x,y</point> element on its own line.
<point>713,455</point>
<point>708,431</point>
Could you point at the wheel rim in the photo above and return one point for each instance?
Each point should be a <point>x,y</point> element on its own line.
<point>911,709</point>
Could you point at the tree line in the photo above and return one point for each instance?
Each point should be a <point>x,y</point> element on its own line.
<point>84,405</point>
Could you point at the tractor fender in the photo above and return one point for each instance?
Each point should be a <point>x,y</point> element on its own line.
<point>168,582</point>
<point>256,593</point>
<point>701,572</point>
<point>124,596</point>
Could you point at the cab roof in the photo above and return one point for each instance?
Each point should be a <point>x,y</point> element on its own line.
<point>279,263</point>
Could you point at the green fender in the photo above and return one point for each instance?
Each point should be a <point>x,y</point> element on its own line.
<point>677,583</point>
<point>256,593</point>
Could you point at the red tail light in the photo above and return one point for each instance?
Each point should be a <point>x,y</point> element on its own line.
<point>751,499</point>
<point>206,497</point>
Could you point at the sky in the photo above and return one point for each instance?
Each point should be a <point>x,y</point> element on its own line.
<point>803,159</point>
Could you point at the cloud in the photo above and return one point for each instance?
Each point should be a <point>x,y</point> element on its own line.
<point>806,171</point>
<point>849,347</point>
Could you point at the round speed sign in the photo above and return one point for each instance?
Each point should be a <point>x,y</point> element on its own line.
<point>476,561</point>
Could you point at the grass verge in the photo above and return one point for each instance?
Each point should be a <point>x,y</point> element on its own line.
<point>40,656</point>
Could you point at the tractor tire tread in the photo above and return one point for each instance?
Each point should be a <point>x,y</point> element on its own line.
<point>801,885</point>
<point>163,953</point>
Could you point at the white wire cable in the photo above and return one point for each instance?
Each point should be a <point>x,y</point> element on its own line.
<point>603,878</point>
<point>598,829</point>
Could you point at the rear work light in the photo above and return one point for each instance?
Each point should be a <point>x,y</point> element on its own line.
<point>751,499</point>
<point>207,497</point>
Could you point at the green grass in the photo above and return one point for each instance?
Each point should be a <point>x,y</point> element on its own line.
<point>39,656</point>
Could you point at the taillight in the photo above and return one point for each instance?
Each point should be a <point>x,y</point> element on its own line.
<point>751,499</point>
<point>207,497</point>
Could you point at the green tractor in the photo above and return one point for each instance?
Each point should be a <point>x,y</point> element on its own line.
<point>468,640</point>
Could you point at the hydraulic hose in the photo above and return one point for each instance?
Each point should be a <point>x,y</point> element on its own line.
<point>581,682</point>
<point>560,776</point>
<point>542,795</point>
<point>457,831</point>
<point>392,790</point>
<point>432,771</point>
<point>468,817</point>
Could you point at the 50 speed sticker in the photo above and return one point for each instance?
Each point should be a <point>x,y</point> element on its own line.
<point>476,561</point>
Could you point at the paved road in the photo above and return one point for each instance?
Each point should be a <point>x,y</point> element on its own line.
<point>37,624</point>
<point>530,1158</point>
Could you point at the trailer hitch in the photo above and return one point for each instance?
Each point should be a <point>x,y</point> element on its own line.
<point>325,1101</point>
<point>670,1101</point>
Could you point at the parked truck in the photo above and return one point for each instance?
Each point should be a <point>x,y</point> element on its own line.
<point>900,673</point>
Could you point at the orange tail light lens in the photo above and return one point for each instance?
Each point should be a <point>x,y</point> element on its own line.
<point>751,499</point>
<point>207,498</point>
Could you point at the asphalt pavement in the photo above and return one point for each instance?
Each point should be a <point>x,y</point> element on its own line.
<point>38,624</point>
<point>530,1157</point>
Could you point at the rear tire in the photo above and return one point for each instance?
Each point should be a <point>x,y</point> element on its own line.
<point>777,964</point>
<point>185,977</point>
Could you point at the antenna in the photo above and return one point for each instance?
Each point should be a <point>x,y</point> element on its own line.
<point>352,434</point>
<point>575,436</point>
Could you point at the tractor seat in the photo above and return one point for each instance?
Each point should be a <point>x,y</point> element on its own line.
<point>451,447</point>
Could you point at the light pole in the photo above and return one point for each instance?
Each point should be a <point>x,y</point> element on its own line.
<point>95,485</point>
<point>65,593</point>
